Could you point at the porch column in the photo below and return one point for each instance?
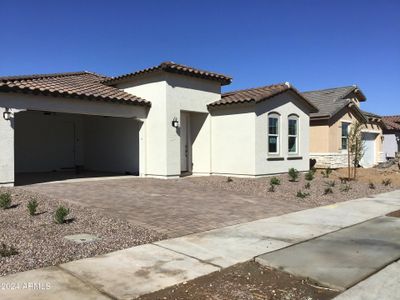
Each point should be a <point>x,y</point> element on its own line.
<point>142,148</point>
<point>6,150</point>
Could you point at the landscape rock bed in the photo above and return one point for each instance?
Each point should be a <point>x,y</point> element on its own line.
<point>40,241</point>
<point>287,190</point>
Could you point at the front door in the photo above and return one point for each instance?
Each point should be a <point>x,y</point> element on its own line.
<point>185,141</point>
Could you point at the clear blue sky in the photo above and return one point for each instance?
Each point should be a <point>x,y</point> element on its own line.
<point>312,44</point>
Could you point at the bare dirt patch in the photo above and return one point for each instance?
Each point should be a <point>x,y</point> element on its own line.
<point>395,214</point>
<point>376,175</point>
<point>245,281</point>
<point>40,242</point>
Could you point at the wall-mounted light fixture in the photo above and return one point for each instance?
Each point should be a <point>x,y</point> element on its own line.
<point>7,114</point>
<point>175,122</point>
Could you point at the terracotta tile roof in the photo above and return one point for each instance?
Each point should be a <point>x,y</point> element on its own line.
<point>392,122</point>
<point>257,95</point>
<point>392,118</point>
<point>172,67</point>
<point>84,85</point>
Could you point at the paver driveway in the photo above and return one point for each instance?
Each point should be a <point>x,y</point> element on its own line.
<point>175,207</point>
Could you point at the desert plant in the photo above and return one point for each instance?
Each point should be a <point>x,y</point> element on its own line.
<point>271,188</point>
<point>61,214</point>
<point>345,188</point>
<point>307,186</point>
<point>328,190</point>
<point>5,200</point>
<point>275,181</point>
<point>6,251</point>
<point>309,175</point>
<point>293,175</point>
<point>327,172</point>
<point>302,195</point>
<point>371,185</point>
<point>331,183</point>
<point>356,148</point>
<point>32,207</point>
<point>229,179</point>
<point>386,181</point>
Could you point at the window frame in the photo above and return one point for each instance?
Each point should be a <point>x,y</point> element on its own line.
<point>296,136</point>
<point>276,135</point>
<point>348,123</point>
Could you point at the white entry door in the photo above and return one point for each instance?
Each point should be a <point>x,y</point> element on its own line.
<point>368,160</point>
<point>185,141</point>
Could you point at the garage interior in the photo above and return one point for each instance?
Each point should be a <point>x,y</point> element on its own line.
<point>53,146</point>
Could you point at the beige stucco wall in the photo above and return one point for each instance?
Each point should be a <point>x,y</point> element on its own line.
<point>326,137</point>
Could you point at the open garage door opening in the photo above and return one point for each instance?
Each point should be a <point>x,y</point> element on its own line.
<point>55,146</point>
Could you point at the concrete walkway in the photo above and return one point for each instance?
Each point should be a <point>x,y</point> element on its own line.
<point>129,273</point>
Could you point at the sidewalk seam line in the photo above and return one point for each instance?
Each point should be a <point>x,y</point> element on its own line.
<point>190,256</point>
<point>87,283</point>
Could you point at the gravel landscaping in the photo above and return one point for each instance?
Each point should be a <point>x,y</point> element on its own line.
<point>314,195</point>
<point>40,242</point>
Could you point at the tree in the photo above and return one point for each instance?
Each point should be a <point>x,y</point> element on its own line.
<point>356,147</point>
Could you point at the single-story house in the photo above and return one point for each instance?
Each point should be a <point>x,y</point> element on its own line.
<point>163,121</point>
<point>338,108</point>
<point>391,142</point>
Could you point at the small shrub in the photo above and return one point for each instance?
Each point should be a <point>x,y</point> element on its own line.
<point>293,174</point>
<point>6,251</point>
<point>330,183</point>
<point>229,179</point>
<point>328,190</point>
<point>309,175</point>
<point>386,181</point>
<point>5,200</point>
<point>327,172</point>
<point>32,207</point>
<point>345,188</point>
<point>61,214</point>
<point>307,186</point>
<point>302,195</point>
<point>271,188</point>
<point>275,181</point>
<point>371,185</point>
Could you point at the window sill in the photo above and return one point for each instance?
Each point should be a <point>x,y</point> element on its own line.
<point>294,157</point>
<point>274,158</point>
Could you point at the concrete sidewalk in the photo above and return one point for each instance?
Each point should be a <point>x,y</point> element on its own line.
<point>129,273</point>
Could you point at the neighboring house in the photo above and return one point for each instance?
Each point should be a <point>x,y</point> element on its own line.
<point>330,126</point>
<point>391,142</point>
<point>163,121</point>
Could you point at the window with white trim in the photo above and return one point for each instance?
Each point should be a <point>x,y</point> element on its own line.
<point>273,133</point>
<point>345,135</point>
<point>293,132</point>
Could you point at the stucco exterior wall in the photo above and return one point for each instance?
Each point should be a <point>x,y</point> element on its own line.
<point>6,150</point>
<point>285,104</point>
<point>233,140</point>
<point>170,94</point>
<point>326,140</point>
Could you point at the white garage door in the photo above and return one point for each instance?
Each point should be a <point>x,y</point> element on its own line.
<point>368,159</point>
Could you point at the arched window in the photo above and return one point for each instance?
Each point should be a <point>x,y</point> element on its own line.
<point>293,134</point>
<point>273,133</point>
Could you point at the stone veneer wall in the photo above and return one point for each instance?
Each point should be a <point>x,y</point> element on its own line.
<point>332,160</point>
